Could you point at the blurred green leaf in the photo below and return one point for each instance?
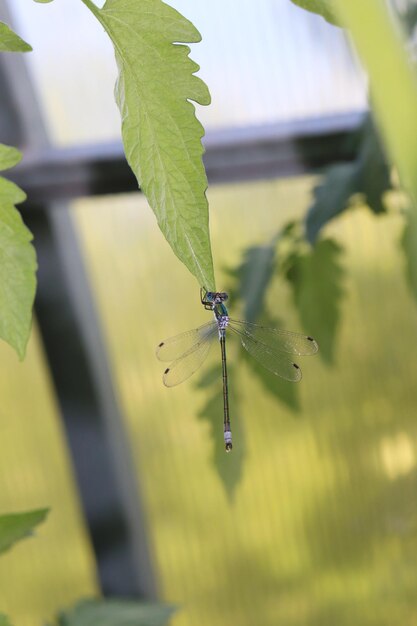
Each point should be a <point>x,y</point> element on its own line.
<point>10,42</point>
<point>10,193</point>
<point>282,390</point>
<point>17,526</point>
<point>17,264</point>
<point>369,175</point>
<point>254,275</point>
<point>161,134</point>
<point>374,169</point>
<point>321,7</point>
<point>409,246</point>
<point>116,613</point>
<point>331,197</point>
<point>9,156</point>
<point>393,86</point>
<point>316,278</point>
<point>43,1</point>
<point>228,466</point>
<point>4,620</point>
<point>393,82</point>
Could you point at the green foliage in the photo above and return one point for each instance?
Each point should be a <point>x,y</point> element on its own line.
<point>280,389</point>
<point>228,466</point>
<point>393,90</point>
<point>316,279</point>
<point>249,284</point>
<point>17,526</point>
<point>331,197</point>
<point>321,7</point>
<point>10,42</point>
<point>4,620</point>
<point>254,274</point>
<point>9,157</point>
<point>116,613</point>
<point>17,262</point>
<point>409,246</point>
<point>161,134</point>
<point>368,175</point>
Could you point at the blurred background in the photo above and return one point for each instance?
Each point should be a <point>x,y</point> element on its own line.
<point>312,519</point>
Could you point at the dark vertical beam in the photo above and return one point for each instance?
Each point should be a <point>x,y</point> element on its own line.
<point>76,354</point>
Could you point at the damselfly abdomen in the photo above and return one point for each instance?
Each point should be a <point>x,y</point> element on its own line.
<point>271,347</point>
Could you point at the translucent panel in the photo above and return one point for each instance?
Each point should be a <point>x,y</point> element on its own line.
<point>44,574</point>
<point>267,62</point>
<point>321,529</point>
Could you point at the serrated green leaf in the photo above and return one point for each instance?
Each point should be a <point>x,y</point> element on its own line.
<point>17,526</point>
<point>394,91</point>
<point>331,197</point>
<point>374,169</point>
<point>161,134</point>
<point>254,275</point>
<point>228,466</point>
<point>17,261</point>
<point>321,7</point>
<point>10,193</point>
<point>9,157</point>
<point>282,390</point>
<point>10,42</point>
<point>116,613</point>
<point>368,175</point>
<point>316,279</point>
<point>4,620</point>
<point>17,270</point>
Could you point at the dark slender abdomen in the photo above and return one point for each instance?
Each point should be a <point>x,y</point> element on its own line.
<point>226,421</point>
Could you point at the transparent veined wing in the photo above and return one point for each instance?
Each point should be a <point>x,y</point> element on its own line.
<point>276,362</point>
<point>176,347</point>
<point>277,339</point>
<point>188,363</point>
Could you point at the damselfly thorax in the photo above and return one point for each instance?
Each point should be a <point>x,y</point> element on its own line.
<point>271,347</point>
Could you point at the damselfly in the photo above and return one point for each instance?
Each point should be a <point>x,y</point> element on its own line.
<point>271,347</point>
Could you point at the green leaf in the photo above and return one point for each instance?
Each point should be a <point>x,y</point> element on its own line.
<point>9,157</point>
<point>282,390</point>
<point>409,246</point>
<point>316,278</point>
<point>374,169</point>
<point>17,278</point>
<point>228,466</point>
<point>331,197</point>
<point>10,42</point>
<point>394,89</point>
<point>116,613</point>
<point>378,43</point>
<point>17,526</point>
<point>4,620</point>
<point>161,134</point>
<point>17,265</point>
<point>321,7</point>
<point>10,193</point>
<point>368,175</point>
<point>254,275</point>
